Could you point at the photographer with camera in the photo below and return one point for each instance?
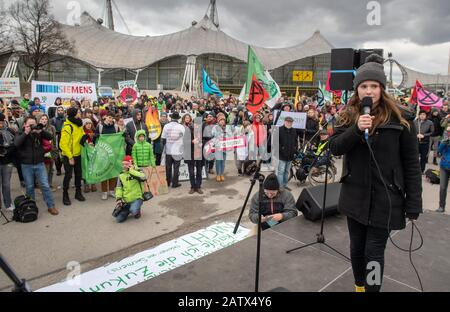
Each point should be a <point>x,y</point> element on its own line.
<point>6,166</point>
<point>31,155</point>
<point>129,191</point>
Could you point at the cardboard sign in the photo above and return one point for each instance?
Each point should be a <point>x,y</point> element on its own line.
<point>299,119</point>
<point>156,180</point>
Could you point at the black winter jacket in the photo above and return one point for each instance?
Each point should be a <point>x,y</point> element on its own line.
<point>288,143</point>
<point>363,196</point>
<point>29,147</point>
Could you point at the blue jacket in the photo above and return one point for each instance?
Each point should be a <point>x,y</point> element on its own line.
<point>444,151</point>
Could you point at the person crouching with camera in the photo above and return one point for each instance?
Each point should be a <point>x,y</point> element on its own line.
<point>129,192</point>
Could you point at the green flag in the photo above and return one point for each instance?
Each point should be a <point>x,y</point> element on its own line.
<point>256,68</point>
<point>104,161</point>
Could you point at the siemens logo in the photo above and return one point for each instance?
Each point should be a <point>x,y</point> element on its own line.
<point>40,88</point>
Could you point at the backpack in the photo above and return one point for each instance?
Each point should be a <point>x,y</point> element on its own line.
<point>26,210</point>
<point>433,176</point>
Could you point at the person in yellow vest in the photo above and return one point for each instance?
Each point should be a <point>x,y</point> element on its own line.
<point>70,145</point>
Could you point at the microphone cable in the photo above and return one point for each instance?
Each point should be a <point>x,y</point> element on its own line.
<point>410,250</point>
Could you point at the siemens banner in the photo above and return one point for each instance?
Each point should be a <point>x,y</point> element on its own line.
<point>48,92</point>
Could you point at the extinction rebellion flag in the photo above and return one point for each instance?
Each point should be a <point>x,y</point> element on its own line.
<point>256,69</point>
<point>257,96</point>
<point>425,98</point>
<point>104,161</point>
<point>209,86</point>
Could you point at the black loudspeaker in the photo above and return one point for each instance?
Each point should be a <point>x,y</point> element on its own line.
<point>362,54</point>
<point>342,60</point>
<point>311,200</point>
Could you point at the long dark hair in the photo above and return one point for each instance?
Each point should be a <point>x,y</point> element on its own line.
<point>183,121</point>
<point>384,111</point>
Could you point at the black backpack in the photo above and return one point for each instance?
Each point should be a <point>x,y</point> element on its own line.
<point>433,176</point>
<point>26,210</point>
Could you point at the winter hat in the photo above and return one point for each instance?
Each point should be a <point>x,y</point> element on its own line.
<point>33,109</point>
<point>286,104</point>
<point>103,113</point>
<point>87,121</point>
<point>127,158</point>
<point>72,112</point>
<point>373,69</point>
<point>271,183</point>
<point>175,116</point>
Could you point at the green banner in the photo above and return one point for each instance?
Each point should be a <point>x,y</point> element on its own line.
<point>104,161</point>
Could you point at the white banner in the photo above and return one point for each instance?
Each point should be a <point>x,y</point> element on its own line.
<point>299,119</point>
<point>48,92</point>
<point>10,88</point>
<point>151,263</point>
<point>184,172</point>
<point>127,84</point>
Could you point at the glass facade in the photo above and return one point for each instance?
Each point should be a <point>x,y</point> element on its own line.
<point>230,73</point>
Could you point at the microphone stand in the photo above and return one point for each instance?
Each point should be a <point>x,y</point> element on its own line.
<point>20,285</point>
<point>321,236</point>
<point>260,178</point>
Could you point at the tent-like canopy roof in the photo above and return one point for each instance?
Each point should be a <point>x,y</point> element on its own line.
<point>410,76</point>
<point>103,48</point>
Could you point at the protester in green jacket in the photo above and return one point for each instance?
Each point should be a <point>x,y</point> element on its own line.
<point>24,103</point>
<point>143,151</point>
<point>130,190</point>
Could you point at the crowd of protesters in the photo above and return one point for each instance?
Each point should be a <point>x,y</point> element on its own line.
<point>42,142</point>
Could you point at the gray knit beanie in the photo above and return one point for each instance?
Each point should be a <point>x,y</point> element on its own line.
<point>373,69</point>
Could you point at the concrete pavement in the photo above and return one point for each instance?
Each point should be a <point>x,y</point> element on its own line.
<point>86,232</point>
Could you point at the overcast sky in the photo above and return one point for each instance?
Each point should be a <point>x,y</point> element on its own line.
<point>417,32</point>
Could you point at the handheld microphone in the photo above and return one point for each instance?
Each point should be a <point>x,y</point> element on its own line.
<point>367,104</point>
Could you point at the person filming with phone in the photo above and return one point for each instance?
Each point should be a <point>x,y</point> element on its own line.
<point>277,205</point>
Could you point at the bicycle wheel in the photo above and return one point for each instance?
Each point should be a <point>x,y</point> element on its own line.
<point>317,175</point>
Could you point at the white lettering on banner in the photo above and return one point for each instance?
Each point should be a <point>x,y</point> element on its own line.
<point>10,87</point>
<point>154,262</point>
<point>226,145</point>
<point>127,84</point>
<point>48,92</point>
<point>299,119</point>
